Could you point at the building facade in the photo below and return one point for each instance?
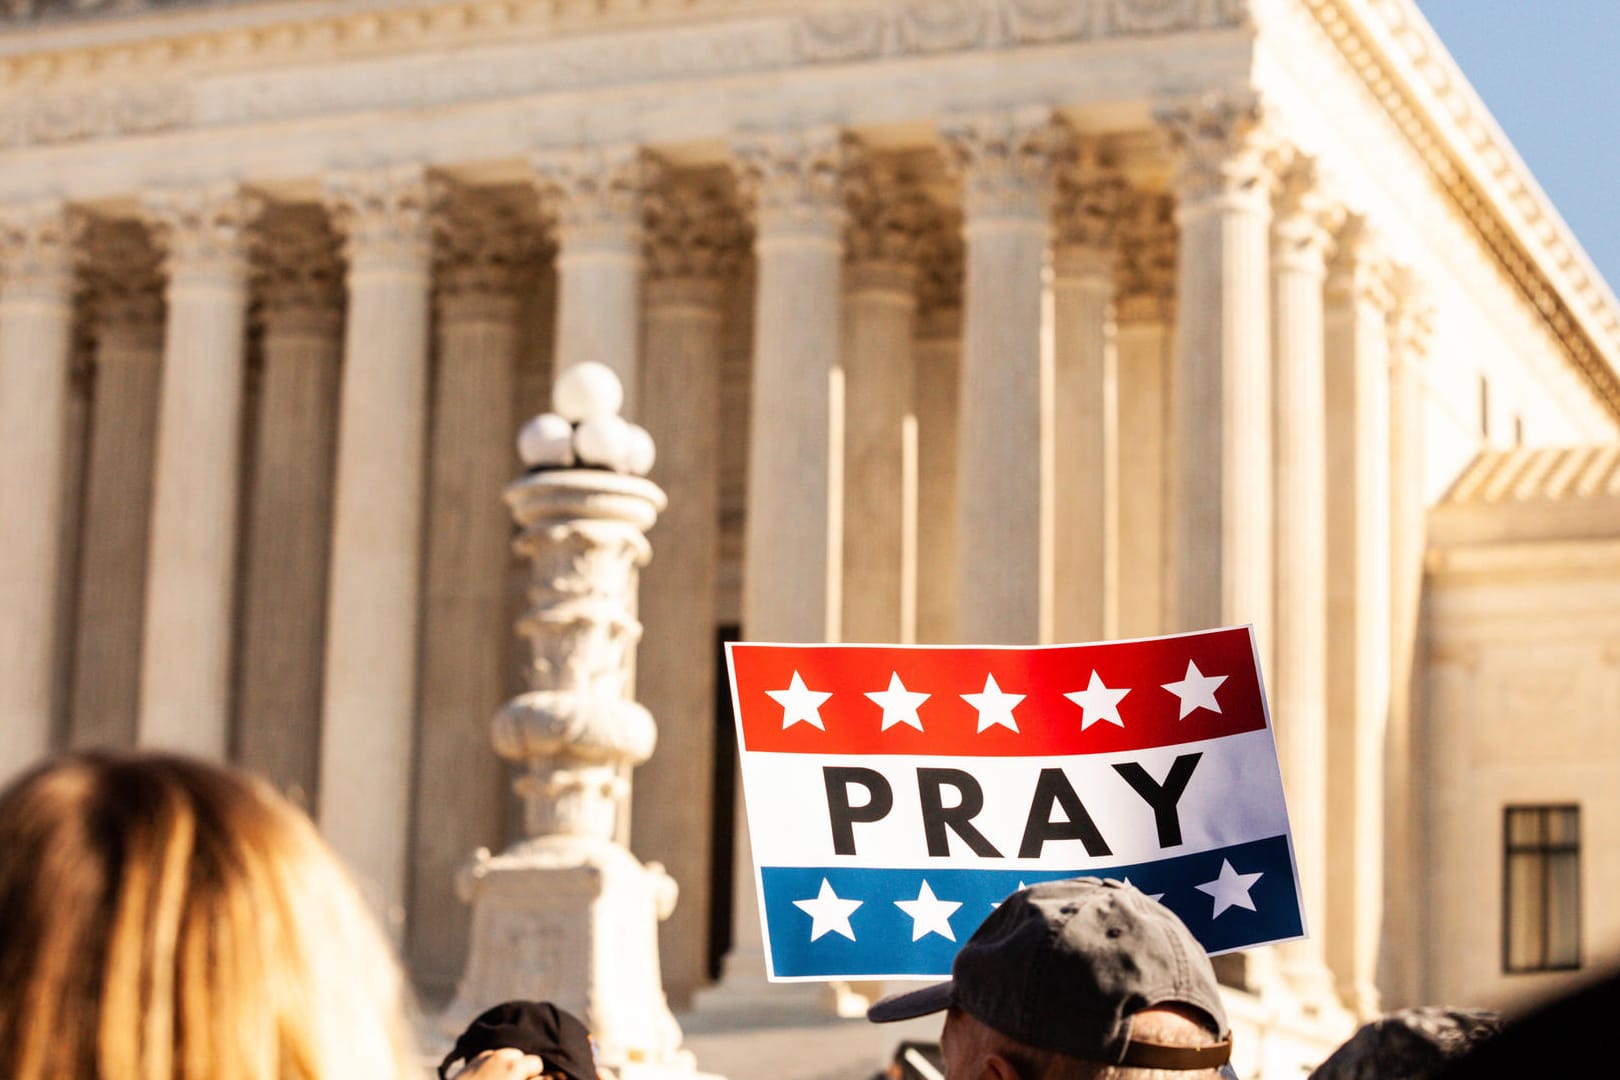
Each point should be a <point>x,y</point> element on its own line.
<point>975,320</point>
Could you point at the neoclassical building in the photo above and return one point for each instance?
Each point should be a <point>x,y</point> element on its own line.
<point>953,320</point>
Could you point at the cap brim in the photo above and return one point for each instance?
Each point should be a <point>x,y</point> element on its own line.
<point>913,1003</point>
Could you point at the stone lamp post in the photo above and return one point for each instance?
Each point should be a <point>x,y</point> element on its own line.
<point>568,914</point>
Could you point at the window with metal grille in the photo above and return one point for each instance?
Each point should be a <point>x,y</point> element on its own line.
<point>1541,888</point>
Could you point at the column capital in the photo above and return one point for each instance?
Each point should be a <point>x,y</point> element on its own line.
<point>480,242</point>
<point>1411,317</point>
<point>382,216</point>
<point>593,194</point>
<point>888,215</point>
<point>202,232</point>
<point>1359,270</point>
<point>123,276</point>
<point>297,269</point>
<point>1005,160</point>
<point>1220,143</point>
<point>1148,239</point>
<point>1089,199</point>
<point>793,182</point>
<point>941,259</point>
<point>1303,218</point>
<point>694,231</point>
<point>37,241</point>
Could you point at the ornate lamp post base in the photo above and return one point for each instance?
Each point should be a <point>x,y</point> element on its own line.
<point>575,922</point>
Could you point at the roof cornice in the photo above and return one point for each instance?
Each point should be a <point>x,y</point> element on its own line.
<point>1404,64</point>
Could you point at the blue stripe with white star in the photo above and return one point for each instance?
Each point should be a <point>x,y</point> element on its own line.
<point>849,922</point>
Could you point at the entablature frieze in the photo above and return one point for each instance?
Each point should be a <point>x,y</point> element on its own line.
<point>279,62</point>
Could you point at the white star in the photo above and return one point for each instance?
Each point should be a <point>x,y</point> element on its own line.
<point>995,707</point>
<point>828,912</point>
<point>1098,703</point>
<point>1151,895</point>
<point>1231,889</point>
<point>1196,691</point>
<point>899,704</point>
<point>929,914</point>
<point>800,704</point>
<point>998,903</point>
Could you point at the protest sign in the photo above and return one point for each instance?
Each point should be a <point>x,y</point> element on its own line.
<point>896,794</point>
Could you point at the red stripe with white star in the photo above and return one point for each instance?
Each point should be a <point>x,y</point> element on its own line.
<point>1041,700</point>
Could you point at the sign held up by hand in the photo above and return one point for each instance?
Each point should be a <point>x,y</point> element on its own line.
<point>896,794</point>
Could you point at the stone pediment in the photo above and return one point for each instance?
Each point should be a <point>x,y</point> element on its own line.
<point>1531,495</point>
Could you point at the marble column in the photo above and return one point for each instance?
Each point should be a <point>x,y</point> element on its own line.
<point>464,670</point>
<point>1144,335</point>
<point>594,197</point>
<point>1222,474</point>
<point>1085,573</point>
<point>1358,609</point>
<point>1299,676</point>
<point>793,182</point>
<point>1410,328</point>
<point>191,554</point>
<point>1223,369</point>
<point>937,391</point>
<point>289,526</point>
<point>1005,456</point>
<point>368,697</point>
<point>887,215</point>
<point>694,243</point>
<point>36,351</point>
<point>126,326</point>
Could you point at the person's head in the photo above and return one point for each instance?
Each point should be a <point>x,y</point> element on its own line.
<point>164,919</point>
<point>556,1038</point>
<point>1073,980</point>
<point>1410,1044</point>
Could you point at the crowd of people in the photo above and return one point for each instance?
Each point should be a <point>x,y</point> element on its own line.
<point>166,919</point>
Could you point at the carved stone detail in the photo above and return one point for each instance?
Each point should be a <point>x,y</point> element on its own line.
<point>577,728</point>
<point>1090,198</point>
<point>123,277</point>
<point>1411,317</point>
<point>298,272</point>
<point>481,241</point>
<point>594,194</point>
<point>694,231</point>
<point>36,249</point>
<point>1304,219</point>
<point>1148,241</point>
<point>202,231</point>
<point>840,35</point>
<point>382,216</point>
<point>941,259</point>
<point>928,26</point>
<point>1359,270</point>
<point>1220,143</point>
<point>1005,161</point>
<point>793,181</point>
<point>1038,21</point>
<point>888,213</point>
<point>1152,16</point>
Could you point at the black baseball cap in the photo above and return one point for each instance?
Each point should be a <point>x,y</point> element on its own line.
<point>556,1036</point>
<point>1065,965</point>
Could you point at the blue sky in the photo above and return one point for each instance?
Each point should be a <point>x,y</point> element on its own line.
<point>1549,70</point>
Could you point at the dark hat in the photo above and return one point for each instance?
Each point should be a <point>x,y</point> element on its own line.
<point>556,1036</point>
<point>1065,965</point>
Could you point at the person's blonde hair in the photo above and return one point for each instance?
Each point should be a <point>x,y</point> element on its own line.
<point>164,919</point>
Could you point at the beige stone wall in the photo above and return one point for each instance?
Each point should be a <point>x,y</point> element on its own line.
<point>1520,695</point>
